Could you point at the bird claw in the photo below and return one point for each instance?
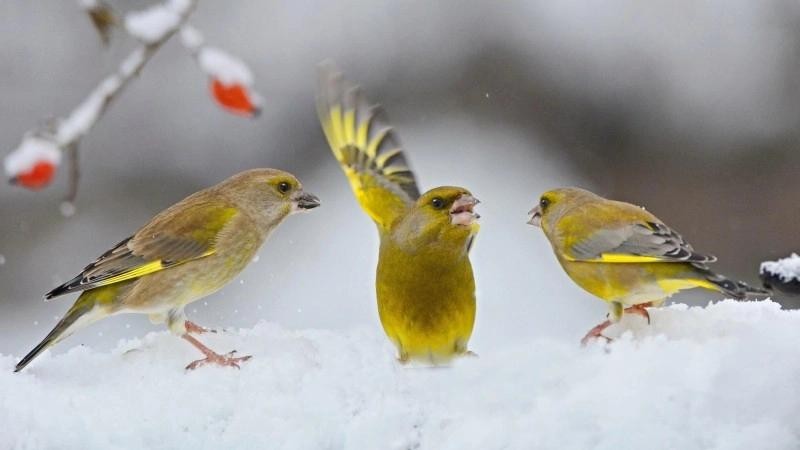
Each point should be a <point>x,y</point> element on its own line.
<point>586,339</point>
<point>226,360</point>
<point>596,333</point>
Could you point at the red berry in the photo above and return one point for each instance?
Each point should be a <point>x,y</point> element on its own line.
<point>234,98</point>
<point>39,176</point>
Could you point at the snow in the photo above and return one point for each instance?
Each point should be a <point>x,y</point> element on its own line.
<point>88,112</point>
<point>31,150</point>
<point>132,63</point>
<point>225,67</point>
<point>787,269</point>
<point>67,208</point>
<point>85,115</point>
<point>720,377</point>
<point>154,23</point>
<point>191,38</point>
<point>88,4</point>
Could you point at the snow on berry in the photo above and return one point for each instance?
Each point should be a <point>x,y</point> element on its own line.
<point>33,164</point>
<point>225,67</point>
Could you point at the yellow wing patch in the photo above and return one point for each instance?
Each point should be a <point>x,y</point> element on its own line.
<point>367,149</point>
<point>145,269</point>
<point>623,259</point>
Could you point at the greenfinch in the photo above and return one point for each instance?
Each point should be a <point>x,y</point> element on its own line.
<point>424,282</point>
<point>623,254</point>
<point>183,254</point>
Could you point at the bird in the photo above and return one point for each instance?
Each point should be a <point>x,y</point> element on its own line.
<point>185,253</point>
<point>424,283</point>
<point>623,254</point>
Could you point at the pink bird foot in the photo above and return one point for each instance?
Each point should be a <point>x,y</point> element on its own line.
<point>192,327</point>
<point>212,357</point>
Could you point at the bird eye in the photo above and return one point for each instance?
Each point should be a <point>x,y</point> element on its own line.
<point>283,187</point>
<point>437,203</point>
<point>544,202</point>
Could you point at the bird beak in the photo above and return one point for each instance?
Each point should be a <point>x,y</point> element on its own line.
<point>303,201</point>
<point>536,216</point>
<point>461,212</point>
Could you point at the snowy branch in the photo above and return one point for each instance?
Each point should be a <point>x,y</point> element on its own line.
<point>34,162</point>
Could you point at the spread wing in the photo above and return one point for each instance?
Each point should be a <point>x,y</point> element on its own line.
<point>367,149</point>
<point>646,241</point>
<point>182,233</point>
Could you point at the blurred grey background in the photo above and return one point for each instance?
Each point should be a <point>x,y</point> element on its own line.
<point>691,108</point>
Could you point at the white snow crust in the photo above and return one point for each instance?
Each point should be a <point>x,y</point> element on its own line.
<point>720,377</point>
<point>787,269</point>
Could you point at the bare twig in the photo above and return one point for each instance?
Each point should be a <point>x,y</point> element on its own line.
<point>74,173</point>
<point>67,133</point>
<point>96,104</point>
<point>33,163</point>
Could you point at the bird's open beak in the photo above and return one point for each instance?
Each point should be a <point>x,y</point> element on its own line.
<point>303,201</point>
<point>461,212</point>
<point>536,216</point>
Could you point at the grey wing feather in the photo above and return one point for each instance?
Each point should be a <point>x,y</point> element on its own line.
<point>652,239</point>
<point>128,255</point>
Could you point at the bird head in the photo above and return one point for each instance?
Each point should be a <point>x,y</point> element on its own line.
<point>555,203</point>
<point>442,218</point>
<point>449,206</point>
<point>268,194</point>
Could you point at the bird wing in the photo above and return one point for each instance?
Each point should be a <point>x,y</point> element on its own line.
<point>182,233</point>
<point>640,242</point>
<point>367,148</point>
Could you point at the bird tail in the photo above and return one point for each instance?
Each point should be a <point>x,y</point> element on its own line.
<point>80,315</point>
<point>735,289</point>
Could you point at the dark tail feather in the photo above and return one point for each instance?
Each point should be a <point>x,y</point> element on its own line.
<point>736,289</point>
<point>61,331</point>
<point>61,290</point>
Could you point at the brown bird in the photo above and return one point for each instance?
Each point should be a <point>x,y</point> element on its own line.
<point>183,254</point>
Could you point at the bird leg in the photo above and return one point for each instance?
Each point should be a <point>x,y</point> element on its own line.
<point>641,310</point>
<point>596,332</point>
<point>403,358</point>
<point>226,360</point>
<point>192,327</point>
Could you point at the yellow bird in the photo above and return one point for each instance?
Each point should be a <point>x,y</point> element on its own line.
<point>623,254</point>
<point>183,254</point>
<point>424,283</point>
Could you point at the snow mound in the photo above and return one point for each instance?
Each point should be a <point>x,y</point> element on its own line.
<point>720,377</point>
<point>787,269</point>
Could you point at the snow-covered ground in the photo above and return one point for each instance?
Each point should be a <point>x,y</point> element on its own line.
<point>720,377</point>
